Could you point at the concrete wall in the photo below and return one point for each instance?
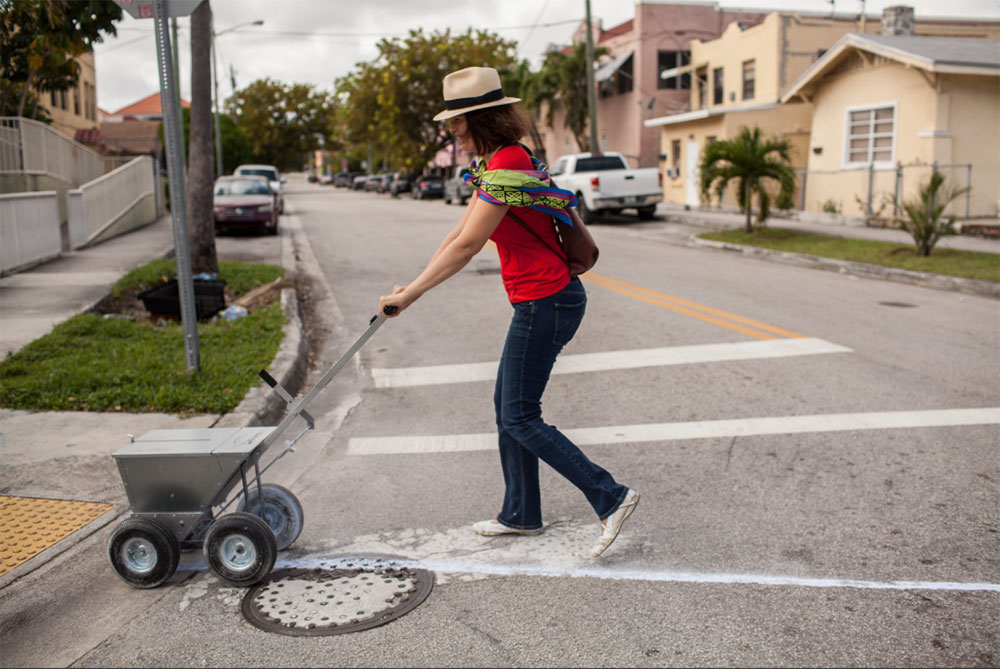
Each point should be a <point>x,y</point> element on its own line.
<point>29,231</point>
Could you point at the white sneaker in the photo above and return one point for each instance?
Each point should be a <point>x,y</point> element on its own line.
<point>614,522</point>
<point>494,528</point>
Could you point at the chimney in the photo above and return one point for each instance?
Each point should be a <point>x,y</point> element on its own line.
<point>898,20</point>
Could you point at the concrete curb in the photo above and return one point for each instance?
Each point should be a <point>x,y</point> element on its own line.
<point>923,279</point>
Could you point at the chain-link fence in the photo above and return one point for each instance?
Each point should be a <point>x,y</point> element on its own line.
<point>876,193</point>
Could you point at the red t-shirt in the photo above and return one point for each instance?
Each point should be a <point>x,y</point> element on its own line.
<point>530,271</point>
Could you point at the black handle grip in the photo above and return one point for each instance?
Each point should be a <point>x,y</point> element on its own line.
<point>268,379</point>
<point>389,310</point>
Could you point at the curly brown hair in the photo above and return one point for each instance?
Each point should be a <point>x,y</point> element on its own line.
<point>496,127</point>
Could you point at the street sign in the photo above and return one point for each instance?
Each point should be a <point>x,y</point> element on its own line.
<point>143,9</point>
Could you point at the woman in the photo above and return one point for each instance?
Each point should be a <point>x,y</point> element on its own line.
<point>548,303</point>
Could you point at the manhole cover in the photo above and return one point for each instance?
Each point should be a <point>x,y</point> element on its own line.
<point>343,594</point>
<point>901,305</point>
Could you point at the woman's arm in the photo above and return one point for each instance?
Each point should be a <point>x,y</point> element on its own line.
<point>460,245</point>
<point>450,237</point>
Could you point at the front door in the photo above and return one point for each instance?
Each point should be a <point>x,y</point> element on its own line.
<point>692,186</point>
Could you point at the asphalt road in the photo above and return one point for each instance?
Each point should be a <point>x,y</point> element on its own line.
<point>811,492</point>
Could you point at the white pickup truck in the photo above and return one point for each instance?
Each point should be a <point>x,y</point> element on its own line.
<point>604,183</point>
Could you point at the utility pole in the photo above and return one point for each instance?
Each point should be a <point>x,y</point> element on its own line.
<point>591,90</point>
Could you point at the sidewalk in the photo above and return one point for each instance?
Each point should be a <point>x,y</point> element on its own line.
<point>67,455</point>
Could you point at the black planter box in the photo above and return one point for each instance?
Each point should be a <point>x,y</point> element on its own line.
<point>164,300</point>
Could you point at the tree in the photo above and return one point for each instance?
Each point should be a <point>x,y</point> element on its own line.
<point>282,121</point>
<point>924,213</point>
<point>201,156</point>
<point>521,82</point>
<point>562,83</point>
<point>748,158</point>
<point>40,40</point>
<point>391,101</point>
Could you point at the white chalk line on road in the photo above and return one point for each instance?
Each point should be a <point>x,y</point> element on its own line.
<point>614,360</point>
<point>609,573</point>
<point>652,432</point>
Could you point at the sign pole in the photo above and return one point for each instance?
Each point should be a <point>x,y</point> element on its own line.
<point>175,170</point>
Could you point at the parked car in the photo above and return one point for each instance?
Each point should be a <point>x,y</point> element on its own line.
<point>358,183</point>
<point>386,181</point>
<point>400,183</point>
<point>604,183</point>
<point>426,187</point>
<point>273,176</point>
<point>456,190</point>
<point>373,182</point>
<point>312,178</point>
<point>325,180</point>
<point>344,179</point>
<point>245,202</point>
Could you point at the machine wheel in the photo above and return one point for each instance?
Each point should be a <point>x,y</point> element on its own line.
<point>282,512</point>
<point>586,215</point>
<point>447,200</point>
<point>240,548</point>
<point>646,213</point>
<point>143,552</point>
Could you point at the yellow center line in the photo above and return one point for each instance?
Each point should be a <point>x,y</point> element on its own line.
<point>708,314</point>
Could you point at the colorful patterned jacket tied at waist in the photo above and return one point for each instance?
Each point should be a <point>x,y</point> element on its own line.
<point>522,188</point>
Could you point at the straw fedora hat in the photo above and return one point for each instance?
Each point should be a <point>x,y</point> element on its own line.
<point>470,89</point>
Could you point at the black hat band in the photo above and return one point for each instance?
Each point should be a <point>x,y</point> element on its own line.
<point>463,103</point>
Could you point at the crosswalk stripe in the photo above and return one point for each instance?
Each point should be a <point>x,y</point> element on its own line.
<point>613,360</point>
<point>653,432</point>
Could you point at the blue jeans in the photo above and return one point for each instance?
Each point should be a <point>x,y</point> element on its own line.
<point>538,331</point>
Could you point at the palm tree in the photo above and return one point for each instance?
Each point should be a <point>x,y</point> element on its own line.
<point>749,158</point>
<point>924,219</point>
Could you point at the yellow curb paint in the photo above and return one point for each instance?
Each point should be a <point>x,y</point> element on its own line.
<point>29,525</point>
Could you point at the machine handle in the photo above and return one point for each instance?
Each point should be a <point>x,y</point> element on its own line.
<point>389,310</point>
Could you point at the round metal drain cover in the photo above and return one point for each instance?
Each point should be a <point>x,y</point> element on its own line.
<point>343,594</point>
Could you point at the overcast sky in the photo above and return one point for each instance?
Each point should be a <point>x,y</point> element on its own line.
<point>317,41</point>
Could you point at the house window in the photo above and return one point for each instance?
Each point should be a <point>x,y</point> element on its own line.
<point>76,100</point>
<point>675,153</point>
<point>749,75</point>
<point>871,135</point>
<point>623,78</point>
<point>86,100</point>
<point>62,99</point>
<point>668,60</point>
<point>717,92</point>
<point>52,98</point>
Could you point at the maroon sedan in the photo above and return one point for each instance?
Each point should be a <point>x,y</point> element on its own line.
<point>245,202</point>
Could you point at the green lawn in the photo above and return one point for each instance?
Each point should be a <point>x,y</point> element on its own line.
<point>951,262</point>
<point>95,363</point>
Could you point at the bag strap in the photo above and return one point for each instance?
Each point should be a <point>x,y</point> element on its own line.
<point>537,236</point>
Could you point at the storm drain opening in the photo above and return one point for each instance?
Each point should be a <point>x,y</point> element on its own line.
<point>342,594</point>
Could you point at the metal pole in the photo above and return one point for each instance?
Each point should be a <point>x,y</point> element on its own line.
<point>896,193</point>
<point>591,89</point>
<point>219,171</point>
<point>968,192</point>
<point>802,205</point>
<point>178,208</point>
<point>177,92</point>
<point>871,182</point>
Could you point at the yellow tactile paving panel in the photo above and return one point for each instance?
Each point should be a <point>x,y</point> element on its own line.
<point>29,525</point>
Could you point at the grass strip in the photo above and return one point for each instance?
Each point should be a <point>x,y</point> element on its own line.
<point>95,363</point>
<point>950,262</point>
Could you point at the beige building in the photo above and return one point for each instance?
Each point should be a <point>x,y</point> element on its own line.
<point>76,108</point>
<point>738,80</point>
<point>888,108</point>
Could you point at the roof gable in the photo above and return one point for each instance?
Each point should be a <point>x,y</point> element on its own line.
<point>934,54</point>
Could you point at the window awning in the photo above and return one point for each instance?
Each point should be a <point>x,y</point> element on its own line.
<point>608,70</point>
